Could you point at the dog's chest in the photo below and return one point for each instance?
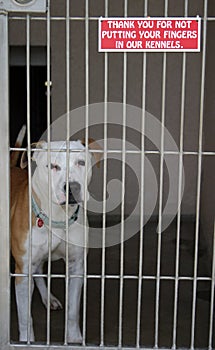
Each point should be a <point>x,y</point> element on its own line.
<point>41,240</point>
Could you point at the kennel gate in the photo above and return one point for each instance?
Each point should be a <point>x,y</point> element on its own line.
<point>5,276</point>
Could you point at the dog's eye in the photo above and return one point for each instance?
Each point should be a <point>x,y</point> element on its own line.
<point>81,162</point>
<point>54,166</point>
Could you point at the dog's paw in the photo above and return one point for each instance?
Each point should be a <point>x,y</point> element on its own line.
<point>74,334</point>
<point>75,339</point>
<point>55,304</point>
<point>23,336</point>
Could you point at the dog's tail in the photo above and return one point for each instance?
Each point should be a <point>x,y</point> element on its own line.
<point>15,154</point>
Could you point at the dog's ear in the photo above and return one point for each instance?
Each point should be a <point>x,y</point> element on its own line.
<point>92,144</point>
<point>24,158</point>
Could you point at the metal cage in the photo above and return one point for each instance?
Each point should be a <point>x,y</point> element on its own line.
<point>154,290</point>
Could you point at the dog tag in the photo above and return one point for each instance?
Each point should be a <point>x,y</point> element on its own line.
<point>40,223</point>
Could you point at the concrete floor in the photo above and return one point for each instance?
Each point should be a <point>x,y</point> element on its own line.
<point>131,263</point>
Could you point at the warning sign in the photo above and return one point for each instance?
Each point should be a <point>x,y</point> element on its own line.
<point>149,34</point>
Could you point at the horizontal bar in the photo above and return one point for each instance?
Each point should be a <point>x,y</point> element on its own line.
<point>111,151</point>
<point>72,18</point>
<point>129,277</point>
<point>53,18</point>
<point>77,347</point>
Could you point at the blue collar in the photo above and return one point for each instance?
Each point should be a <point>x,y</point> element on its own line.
<point>55,224</point>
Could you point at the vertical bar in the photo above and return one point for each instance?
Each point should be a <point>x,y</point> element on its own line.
<point>180,183</point>
<point>67,164</point>
<point>86,165</point>
<point>104,190</point>
<point>121,286</point>
<point>211,325</point>
<point>49,172</point>
<point>199,175</point>
<point>5,176</point>
<point>30,281</point>
<point>157,301</point>
<point>139,296</point>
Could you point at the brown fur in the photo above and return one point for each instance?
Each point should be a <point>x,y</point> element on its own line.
<point>92,144</point>
<point>19,206</point>
<point>19,216</point>
<point>15,156</point>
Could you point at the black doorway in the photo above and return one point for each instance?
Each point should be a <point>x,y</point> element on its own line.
<point>18,99</point>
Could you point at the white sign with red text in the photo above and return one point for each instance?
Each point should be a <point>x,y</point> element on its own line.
<point>149,34</point>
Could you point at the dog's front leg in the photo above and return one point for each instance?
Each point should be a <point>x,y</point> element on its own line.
<point>75,289</point>
<point>22,308</point>
<point>55,304</point>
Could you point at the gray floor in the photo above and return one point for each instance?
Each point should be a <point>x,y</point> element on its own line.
<point>131,263</point>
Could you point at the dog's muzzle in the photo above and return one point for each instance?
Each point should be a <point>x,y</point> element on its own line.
<point>74,189</point>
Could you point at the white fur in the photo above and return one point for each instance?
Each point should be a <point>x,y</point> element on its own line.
<point>39,244</point>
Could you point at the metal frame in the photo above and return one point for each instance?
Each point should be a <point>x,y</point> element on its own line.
<point>4,175</point>
<point>4,172</point>
<point>33,6</point>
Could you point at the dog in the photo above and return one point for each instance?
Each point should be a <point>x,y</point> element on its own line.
<point>72,192</point>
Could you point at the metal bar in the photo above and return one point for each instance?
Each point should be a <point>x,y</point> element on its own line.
<point>52,18</point>
<point>86,166</point>
<point>180,184</point>
<point>132,277</point>
<point>5,176</point>
<point>160,212</point>
<point>74,347</point>
<point>159,241</point>
<point>199,176</point>
<point>211,325</point>
<point>29,176</point>
<point>139,298</point>
<point>67,167</point>
<point>121,286</point>
<point>48,50</point>
<point>72,18</point>
<point>111,151</point>
<point>104,210</point>
<point>104,190</point>
<point>180,179</point>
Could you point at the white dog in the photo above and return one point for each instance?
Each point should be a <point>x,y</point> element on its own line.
<point>20,242</point>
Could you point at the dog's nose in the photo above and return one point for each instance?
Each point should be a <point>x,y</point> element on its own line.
<point>74,188</point>
<point>74,192</point>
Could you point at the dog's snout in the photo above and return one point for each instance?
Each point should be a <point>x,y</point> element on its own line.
<point>74,189</point>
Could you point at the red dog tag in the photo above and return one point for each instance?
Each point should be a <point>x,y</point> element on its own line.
<point>40,223</point>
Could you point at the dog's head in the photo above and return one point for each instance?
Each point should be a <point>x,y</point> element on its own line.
<point>74,164</point>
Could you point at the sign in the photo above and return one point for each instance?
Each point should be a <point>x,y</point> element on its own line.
<point>160,34</point>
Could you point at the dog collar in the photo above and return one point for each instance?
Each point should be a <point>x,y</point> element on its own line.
<point>42,218</point>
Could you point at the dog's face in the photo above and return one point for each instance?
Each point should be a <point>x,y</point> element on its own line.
<point>78,172</point>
